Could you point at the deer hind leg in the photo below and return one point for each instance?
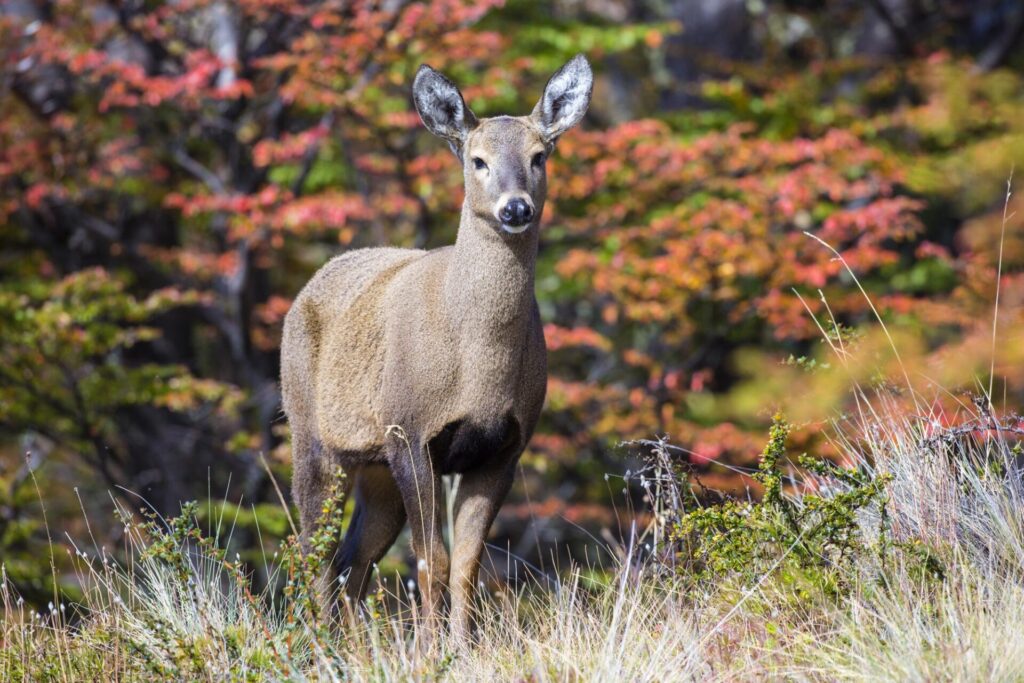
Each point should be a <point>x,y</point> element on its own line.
<point>423,494</point>
<point>377,518</point>
<point>311,482</point>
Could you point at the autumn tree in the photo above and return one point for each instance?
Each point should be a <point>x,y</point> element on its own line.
<point>172,173</point>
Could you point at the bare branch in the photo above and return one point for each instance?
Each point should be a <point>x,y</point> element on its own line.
<point>198,170</point>
<point>996,53</point>
<point>895,26</point>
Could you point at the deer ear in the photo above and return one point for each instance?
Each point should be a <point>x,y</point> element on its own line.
<point>565,99</point>
<point>441,107</point>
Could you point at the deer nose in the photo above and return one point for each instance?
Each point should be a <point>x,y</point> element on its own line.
<point>516,212</point>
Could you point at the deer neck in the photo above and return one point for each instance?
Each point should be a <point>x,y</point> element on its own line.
<point>490,280</point>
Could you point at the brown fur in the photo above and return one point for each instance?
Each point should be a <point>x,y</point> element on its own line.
<point>404,365</point>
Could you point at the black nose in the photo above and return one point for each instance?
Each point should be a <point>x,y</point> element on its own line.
<point>517,212</point>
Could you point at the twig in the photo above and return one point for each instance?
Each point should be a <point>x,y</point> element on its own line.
<point>874,310</point>
<point>999,277</point>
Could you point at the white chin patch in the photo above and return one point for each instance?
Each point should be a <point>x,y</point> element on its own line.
<point>514,229</point>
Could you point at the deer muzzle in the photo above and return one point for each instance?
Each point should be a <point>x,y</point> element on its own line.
<point>515,214</point>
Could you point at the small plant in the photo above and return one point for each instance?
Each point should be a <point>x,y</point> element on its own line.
<point>806,364</point>
<point>189,569</point>
<point>307,594</point>
<point>817,536</point>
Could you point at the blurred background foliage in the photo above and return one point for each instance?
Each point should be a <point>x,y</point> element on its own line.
<point>172,173</point>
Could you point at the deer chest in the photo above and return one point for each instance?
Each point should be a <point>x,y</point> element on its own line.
<point>464,445</point>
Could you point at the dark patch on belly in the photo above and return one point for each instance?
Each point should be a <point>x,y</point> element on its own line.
<point>348,459</point>
<point>463,446</point>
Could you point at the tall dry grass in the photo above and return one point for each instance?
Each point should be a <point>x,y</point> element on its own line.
<point>956,494</point>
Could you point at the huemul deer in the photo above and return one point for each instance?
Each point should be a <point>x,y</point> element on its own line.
<point>402,366</point>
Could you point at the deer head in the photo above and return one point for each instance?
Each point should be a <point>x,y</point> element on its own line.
<point>504,158</point>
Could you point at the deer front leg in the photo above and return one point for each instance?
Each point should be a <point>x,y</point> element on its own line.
<point>422,493</point>
<point>479,495</point>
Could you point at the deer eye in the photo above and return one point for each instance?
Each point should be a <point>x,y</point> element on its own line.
<point>479,163</point>
<point>538,159</point>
